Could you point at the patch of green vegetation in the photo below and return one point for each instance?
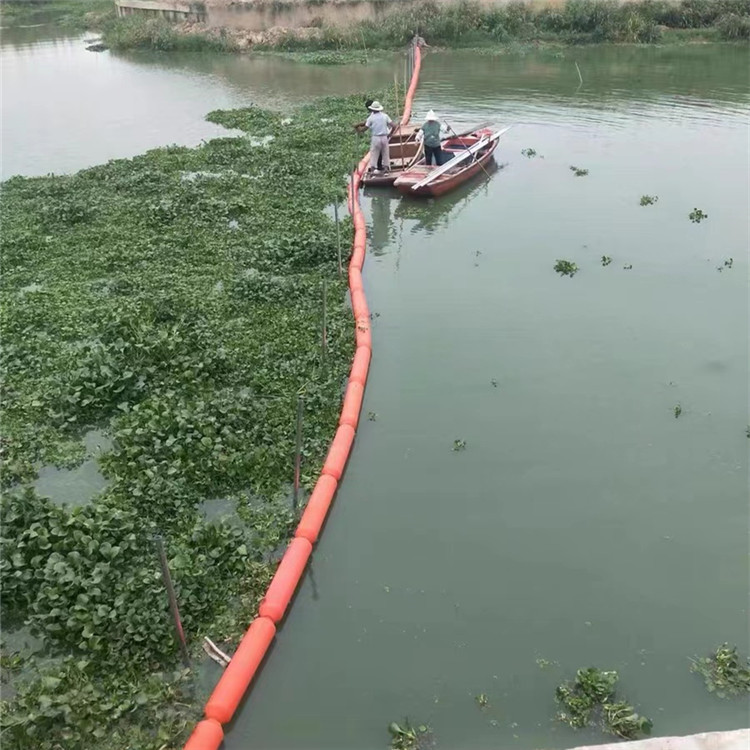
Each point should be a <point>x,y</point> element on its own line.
<point>733,27</point>
<point>628,267</point>
<point>467,23</point>
<point>677,411</point>
<point>482,700</point>
<point>139,31</point>
<point>74,15</point>
<point>372,416</point>
<point>579,172</point>
<point>459,445</point>
<point>649,200</point>
<point>697,216</point>
<point>606,260</point>
<point>724,671</point>
<point>406,737</point>
<point>173,301</point>
<point>529,153</point>
<point>593,692</point>
<point>566,268</point>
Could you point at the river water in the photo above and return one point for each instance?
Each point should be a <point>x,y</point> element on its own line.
<point>583,524</point>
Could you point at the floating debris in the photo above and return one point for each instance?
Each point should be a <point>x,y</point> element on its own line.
<point>566,268</point>
<point>697,216</point>
<point>529,153</point>
<point>579,172</point>
<point>372,416</point>
<point>459,445</point>
<point>606,260</point>
<point>482,700</point>
<point>723,671</point>
<point>649,200</point>
<point>677,411</point>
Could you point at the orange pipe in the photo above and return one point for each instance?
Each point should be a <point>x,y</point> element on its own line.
<point>412,85</point>
<point>355,392</point>
<point>239,673</point>
<point>360,366</point>
<point>338,453</point>
<point>317,508</point>
<point>207,735</point>
<point>284,583</point>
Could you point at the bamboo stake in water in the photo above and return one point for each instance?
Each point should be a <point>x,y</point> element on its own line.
<point>324,337</point>
<point>167,578</point>
<point>338,236</point>
<point>580,77</point>
<point>298,451</point>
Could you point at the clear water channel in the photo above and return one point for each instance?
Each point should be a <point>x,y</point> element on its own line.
<point>583,524</point>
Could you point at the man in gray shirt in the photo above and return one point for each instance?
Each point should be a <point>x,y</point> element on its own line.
<point>380,126</point>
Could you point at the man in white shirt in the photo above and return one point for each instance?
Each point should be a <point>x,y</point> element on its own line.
<point>380,127</point>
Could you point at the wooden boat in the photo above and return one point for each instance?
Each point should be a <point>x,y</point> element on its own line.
<point>469,155</point>
<point>404,150</point>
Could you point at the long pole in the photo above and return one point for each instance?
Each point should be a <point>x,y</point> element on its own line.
<point>338,236</point>
<point>167,578</point>
<point>298,451</point>
<point>324,337</point>
<point>473,154</point>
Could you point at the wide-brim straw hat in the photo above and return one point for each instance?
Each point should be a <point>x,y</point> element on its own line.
<point>431,117</point>
<point>376,107</point>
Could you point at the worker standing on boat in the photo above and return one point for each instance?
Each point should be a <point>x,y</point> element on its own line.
<point>429,134</point>
<point>380,127</point>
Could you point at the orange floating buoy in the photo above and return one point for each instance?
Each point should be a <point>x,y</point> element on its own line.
<point>317,508</point>
<point>207,735</point>
<point>362,334</point>
<point>284,583</point>
<point>360,366</point>
<point>338,453</point>
<point>352,404</point>
<point>240,671</point>
<point>355,278</point>
<point>359,305</point>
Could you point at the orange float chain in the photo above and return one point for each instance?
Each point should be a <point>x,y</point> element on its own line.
<point>229,691</point>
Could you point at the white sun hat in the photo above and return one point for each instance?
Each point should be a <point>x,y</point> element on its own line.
<point>376,106</point>
<point>431,117</point>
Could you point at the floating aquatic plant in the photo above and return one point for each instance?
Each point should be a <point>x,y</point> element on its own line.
<point>459,445</point>
<point>606,260</point>
<point>530,153</point>
<point>566,268</point>
<point>372,416</point>
<point>482,700</point>
<point>649,200</point>
<point>579,172</point>
<point>697,216</point>
<point>677,411</point>
<point>593,694</point>
<point>406,737</point>
<point>724,671</point>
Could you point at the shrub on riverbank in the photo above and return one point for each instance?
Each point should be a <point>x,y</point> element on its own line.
<point>75,15</point>
<point>142,32</point>
<point>174,301</point>
<point>467,23</point>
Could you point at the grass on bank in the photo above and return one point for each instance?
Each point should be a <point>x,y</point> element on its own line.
<point>173,300</point>
<point>74,15</point>
<point>468,23</point>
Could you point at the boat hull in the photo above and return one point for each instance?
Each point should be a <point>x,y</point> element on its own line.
<point>445,183</point>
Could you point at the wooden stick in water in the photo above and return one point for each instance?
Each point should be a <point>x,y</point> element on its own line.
<point>580,77</point>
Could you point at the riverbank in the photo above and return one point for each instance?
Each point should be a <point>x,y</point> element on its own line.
<point>72,15</point>
<point>463,24</point>
<point>170,305</point>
